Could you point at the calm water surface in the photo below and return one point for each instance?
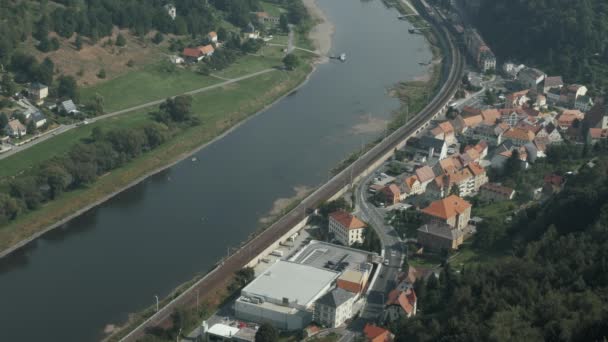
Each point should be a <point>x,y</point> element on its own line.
<point>111,261</point>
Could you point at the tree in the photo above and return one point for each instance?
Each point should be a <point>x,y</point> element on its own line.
<point>158,38</point>
<point>512,165</point>
<point>204,69</point>
<point>222,34</point>
<point>56,177</point>
<point>284,23</point>
<point>26,189</point>
<point>101,73</point>
<point>120,40</point>
<point>9,208</point>
<point>291,61</point>
<point>3,121</point>
<point>67,88</point>
<point>45,72</point>
<point>266,333</point>
<point>8,86</point>
<point>490,97</point>
<point>31,127</point>
<point>178,108</point>
<point>78,43</point>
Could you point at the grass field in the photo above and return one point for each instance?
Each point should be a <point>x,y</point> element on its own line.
<point>148,84</point>
<point>218,109</point>
<point>272,9</point>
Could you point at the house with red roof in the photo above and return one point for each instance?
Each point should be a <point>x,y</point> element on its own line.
<point>374,333</point>
<point>452,210</point>
<point>193,54</point>
<point>400,304</point>
<point>347,228</point>
<point>392,194</point>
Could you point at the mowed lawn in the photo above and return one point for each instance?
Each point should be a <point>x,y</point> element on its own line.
<point>250,64</point>
<point>147,84</point>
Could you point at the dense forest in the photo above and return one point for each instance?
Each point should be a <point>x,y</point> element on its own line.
<point>551,284</point>
<point>568,38</point>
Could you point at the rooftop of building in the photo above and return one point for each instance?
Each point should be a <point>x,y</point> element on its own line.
<point>347,220</point>
<point>335,298</point>
<point>296,282</point>
<point>329,256</point>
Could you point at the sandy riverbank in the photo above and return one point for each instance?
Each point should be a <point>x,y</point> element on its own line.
<point>323,31</point>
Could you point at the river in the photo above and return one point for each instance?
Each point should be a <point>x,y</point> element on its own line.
<point>111,261</point>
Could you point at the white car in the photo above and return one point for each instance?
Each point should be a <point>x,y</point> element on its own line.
<point>386,262</point>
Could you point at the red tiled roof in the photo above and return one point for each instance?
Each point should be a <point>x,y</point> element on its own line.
<point>347,220</point>
<point>375,333</point>
<point>493,187</point>
<point>192,52</point>
<point>405,299</point>
<point>447,207</point>
<point>425,174</point>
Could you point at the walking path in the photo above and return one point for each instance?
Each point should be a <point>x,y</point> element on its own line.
<point>65,128</point>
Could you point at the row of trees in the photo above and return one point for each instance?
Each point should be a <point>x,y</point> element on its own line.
<point>100,153</point>
<point>551,284</point>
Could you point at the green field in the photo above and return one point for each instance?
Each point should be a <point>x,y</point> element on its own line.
<point>147,84</point>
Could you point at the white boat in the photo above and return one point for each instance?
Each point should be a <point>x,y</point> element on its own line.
<point>342,57</point>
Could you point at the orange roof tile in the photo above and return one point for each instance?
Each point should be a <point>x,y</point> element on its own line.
<point>471,121</point>
<point>476,169</point>
<point>347,220</point>
<point>519,134</point>
<point>212,34</point>
<point>446,127</point>
<point>447,207</point>
<point>207,49</point>
<point>375,333</point>
<point>490,116</point>
<point>405,299</point>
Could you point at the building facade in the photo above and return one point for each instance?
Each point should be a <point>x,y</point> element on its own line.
<point>347,228</point>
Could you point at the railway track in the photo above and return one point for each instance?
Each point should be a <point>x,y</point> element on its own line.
<point>219,276</point>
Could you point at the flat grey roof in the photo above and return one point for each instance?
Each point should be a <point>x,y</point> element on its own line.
<point>329,256</point>
<point>297,282</point>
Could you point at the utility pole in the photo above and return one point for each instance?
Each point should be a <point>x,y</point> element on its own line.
<point>155,296</point>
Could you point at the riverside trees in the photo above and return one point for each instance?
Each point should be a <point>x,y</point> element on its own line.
<point>101,152</point>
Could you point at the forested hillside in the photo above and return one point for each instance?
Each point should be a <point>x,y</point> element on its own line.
<point>94,19</point>
<point>551,284</point>
<point>562,36</point>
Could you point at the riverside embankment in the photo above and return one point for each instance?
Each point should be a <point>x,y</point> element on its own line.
<point>145,241</point>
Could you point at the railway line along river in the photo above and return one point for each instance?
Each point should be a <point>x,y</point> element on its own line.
<point>72,282</point>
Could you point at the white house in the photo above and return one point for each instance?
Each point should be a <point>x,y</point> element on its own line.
<point>334,308</point>
<point>346,228</point>
<point>68,107</point>
<point>38,118</point>
<point>15,129</point>
<point>531,77</point>
<point>39,91</point>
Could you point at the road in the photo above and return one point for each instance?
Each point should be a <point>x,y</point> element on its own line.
<point>217,278</point>
<point>392,250</point>
<point>65,128</point>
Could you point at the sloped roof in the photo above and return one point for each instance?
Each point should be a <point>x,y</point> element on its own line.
<point>392,190</point>
<point>373,331</point>
<point>405,299</point>
<point>335,298</point>
<point>519,134</point>
<point>447,208</point>
<point>441,230</point>
<point>553,81</point>
<point>192,52</point>
<point>207,49</point>
<point>490,116</point>
<point>501,189</point>
<point>425,173</point>
<point>347,220</point>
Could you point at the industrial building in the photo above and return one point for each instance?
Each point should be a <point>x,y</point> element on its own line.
<point>284,295</point>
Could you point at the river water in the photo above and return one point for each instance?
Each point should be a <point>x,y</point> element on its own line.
<point>112,260</point>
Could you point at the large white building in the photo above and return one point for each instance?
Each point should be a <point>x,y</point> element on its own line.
<point>346,228</point>
<point>333,309</point>
<point>284,295</point>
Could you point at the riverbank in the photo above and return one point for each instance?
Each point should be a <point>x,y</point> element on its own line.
<point>321,34</point>
<point>264,92</point>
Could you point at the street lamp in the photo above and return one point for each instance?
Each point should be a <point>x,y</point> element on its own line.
<point>155,296</point>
